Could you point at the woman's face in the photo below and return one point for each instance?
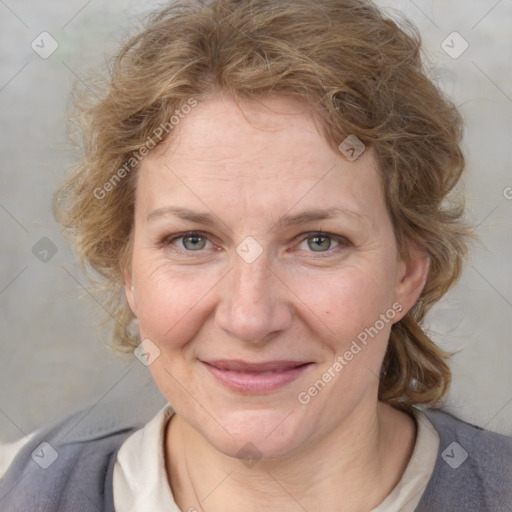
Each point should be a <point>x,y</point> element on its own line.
<point>259,249</point>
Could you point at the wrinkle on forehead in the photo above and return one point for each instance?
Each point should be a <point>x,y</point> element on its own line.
<point>258,117</point>
<point>220,160</point>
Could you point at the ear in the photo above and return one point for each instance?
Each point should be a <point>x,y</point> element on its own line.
<point>129,289</point>
<point>126,271</point>
<point>411,278</point>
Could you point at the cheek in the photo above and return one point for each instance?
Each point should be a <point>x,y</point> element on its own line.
<point>347,301</point>
<point>171,303</point>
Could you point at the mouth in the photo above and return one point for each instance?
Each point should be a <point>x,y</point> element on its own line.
<point>256,378</point>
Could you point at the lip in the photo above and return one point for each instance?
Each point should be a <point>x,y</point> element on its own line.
<point>252,378</point>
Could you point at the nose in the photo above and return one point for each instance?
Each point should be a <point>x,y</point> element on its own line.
<point>255,303</point>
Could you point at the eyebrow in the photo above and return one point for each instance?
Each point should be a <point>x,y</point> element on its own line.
<point>182,213</point>
<point>316,215</point>
<point>208,219</point>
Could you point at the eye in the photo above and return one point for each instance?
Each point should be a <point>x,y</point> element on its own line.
<point>190,242</point>
<point>323,242</point>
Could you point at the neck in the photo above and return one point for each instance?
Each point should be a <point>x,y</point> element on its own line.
<point>352,469</point>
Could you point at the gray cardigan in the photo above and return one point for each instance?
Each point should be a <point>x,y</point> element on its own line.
<point>69,468</point>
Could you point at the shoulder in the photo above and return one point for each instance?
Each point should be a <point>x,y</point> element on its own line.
<point>473,470</point>
<point>484,449</point>
<point>68,466</point>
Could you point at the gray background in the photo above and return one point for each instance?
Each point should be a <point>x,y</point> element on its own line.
<point>51,357</point>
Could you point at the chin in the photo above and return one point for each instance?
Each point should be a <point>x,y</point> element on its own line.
<point>256,434</point>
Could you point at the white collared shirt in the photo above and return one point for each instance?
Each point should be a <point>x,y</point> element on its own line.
<point>140,484</point>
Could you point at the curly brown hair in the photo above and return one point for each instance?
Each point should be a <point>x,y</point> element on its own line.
<point>359,70</point>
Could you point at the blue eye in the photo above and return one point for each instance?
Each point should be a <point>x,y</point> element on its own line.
<point>197,241</point>
<point>319,243</point>
<point>194,242</point>
<point>323,243</point>
<point>190,241</point>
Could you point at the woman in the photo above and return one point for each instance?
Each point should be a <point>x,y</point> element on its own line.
<point>264,196</point>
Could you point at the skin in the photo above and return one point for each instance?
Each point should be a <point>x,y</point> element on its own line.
<point>302,299</point>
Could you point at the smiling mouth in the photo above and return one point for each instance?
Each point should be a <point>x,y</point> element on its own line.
<point>256,378</point>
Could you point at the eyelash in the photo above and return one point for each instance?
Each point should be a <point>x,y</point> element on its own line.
<point>342,241</point>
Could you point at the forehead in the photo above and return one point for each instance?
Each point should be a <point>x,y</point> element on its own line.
<point>267,153</point>
<point>221,131</point>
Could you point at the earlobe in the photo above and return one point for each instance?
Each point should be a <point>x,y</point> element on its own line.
<point>129,291</point>
<point>411,280</point>
<point>126,272</point>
